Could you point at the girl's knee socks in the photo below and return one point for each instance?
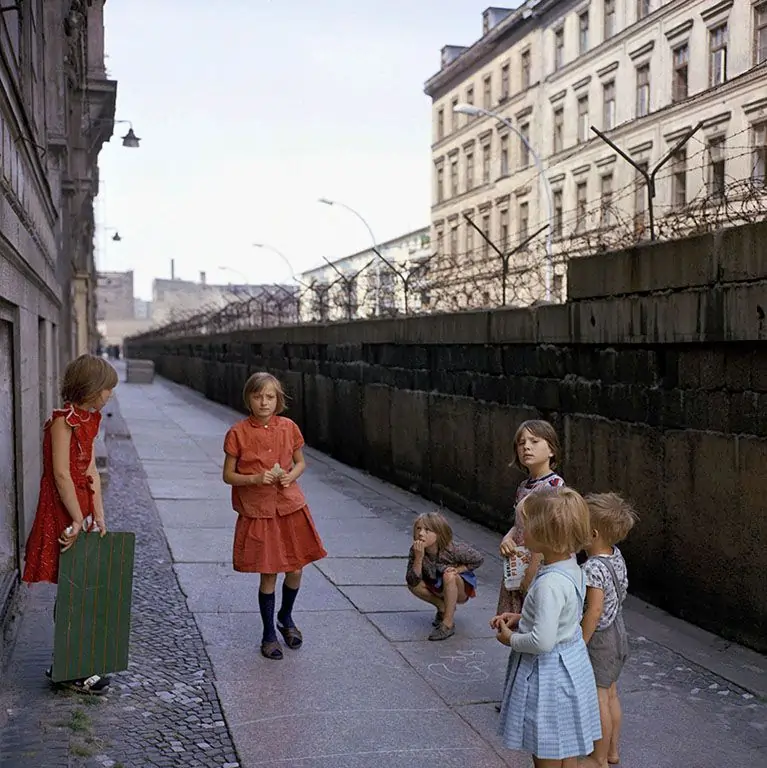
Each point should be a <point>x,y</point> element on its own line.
<point>285,616</point>
<point>266,607</point>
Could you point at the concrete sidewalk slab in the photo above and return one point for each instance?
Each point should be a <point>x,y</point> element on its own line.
<point>196,513</point>
<point>361,571</point>
<point>367,688</point>
<point>216,588</point>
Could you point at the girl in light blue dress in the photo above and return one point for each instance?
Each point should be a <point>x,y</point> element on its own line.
<point>550,706</point>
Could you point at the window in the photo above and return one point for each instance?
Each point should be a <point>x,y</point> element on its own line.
<point>440,184</point>
<point>524,145</point>
<point>454,240</point>
<point>640,199</point>
<point>759,162</point>
<point>583,32</point>
<point>524,221</point>
<point>524,65</point>
<point>504,82</point>
<point>609,19</point>
<point>583,119</point>
<point>717,44</point>
<point>558,208</point>
<point>470,95</point>
<point>440,124</point>
<point>486,233</point>
<point>581,206</point>
<point>679,89</point>
<point>504,156</point>
<point>760,28</point>
<point>716,168</point>
<point>643,9</point>
<point>559,48</point>
<point>643,90</point>
<point>557,286</point>
<point>503,229</point>
<point>608,106</point>
<point>679,179</point>
<point>486,164</point>
<point>487,92</point>
<point>454,176</point>
<point>469,171</point>
<point>469,239</point>
<point>559,129</point>
<point>606,201</point>
<point>453,115</point>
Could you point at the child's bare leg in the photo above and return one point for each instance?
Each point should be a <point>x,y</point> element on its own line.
<point>569,762</point>
<point>268,583</point>
<point>616,714</point>
<point>599,755</point>
<point>454,592</point>
<point>422,592</point>
<point>293,579</point>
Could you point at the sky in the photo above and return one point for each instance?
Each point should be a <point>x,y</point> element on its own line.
<point>248,112</point>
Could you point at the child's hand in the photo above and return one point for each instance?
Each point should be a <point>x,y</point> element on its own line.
<point>503,633</point>
<point>69,535</point>
<point>510,619</point>
<point>285,480</point>
<point>418,549</point>
<point>508,545</point>
<point>100,525</point>
<point>267,478</point>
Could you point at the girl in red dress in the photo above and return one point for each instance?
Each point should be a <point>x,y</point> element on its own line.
<point>275,532</point>
<point>70,488</point>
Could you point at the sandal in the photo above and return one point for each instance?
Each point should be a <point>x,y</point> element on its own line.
<point>292,637</point>
<point>438,619</point>
<point>95,685</point>
<point>442,632</point>
<point>271,649</point>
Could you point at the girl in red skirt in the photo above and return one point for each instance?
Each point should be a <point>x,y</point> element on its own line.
<point>70,488</point>
<point>275,532</point>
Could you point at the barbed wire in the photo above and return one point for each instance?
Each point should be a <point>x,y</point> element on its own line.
<point>511,273</point>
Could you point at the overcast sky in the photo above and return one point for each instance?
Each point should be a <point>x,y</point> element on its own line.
<point>248,111</point>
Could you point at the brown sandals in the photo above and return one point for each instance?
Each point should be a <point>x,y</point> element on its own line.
<point>271,650</point>
<point>292,636</point>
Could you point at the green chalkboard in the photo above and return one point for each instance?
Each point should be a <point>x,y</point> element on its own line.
<point>93,606</point>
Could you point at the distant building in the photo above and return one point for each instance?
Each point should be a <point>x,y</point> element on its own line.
<point>174,300</point>
<point>363,284</point>
<point>114,296</point>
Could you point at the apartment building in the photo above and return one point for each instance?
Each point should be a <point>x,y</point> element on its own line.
<point>643,72</point>
<point>366,284</point>
<point>57,108</point>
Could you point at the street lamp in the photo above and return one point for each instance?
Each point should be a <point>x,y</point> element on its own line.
<point>236,272</point>
<point>325,201</point>
<point>281,255</point>
<point>130,139</point>
<point>474,111</point>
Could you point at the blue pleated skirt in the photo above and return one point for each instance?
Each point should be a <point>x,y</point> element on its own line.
<point>550,707</point>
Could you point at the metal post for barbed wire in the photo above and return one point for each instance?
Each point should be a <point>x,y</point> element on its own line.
<point>649,177</point>
<point>505,257</point>
<point>349,283</point>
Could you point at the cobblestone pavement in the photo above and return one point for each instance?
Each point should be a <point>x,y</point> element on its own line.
<point>163,711</point>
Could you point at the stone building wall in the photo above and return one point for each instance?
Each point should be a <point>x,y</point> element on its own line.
<point>654,374</point>
<point>56,110</point>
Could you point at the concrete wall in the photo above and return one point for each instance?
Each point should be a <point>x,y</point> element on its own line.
<point>654,374</point>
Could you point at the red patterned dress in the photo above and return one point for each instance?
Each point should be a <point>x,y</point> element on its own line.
<point>43,548</point>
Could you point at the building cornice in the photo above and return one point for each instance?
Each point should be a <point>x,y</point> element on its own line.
<point>466,61</point>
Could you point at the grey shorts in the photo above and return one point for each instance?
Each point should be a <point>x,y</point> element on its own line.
<point>608,651</point>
